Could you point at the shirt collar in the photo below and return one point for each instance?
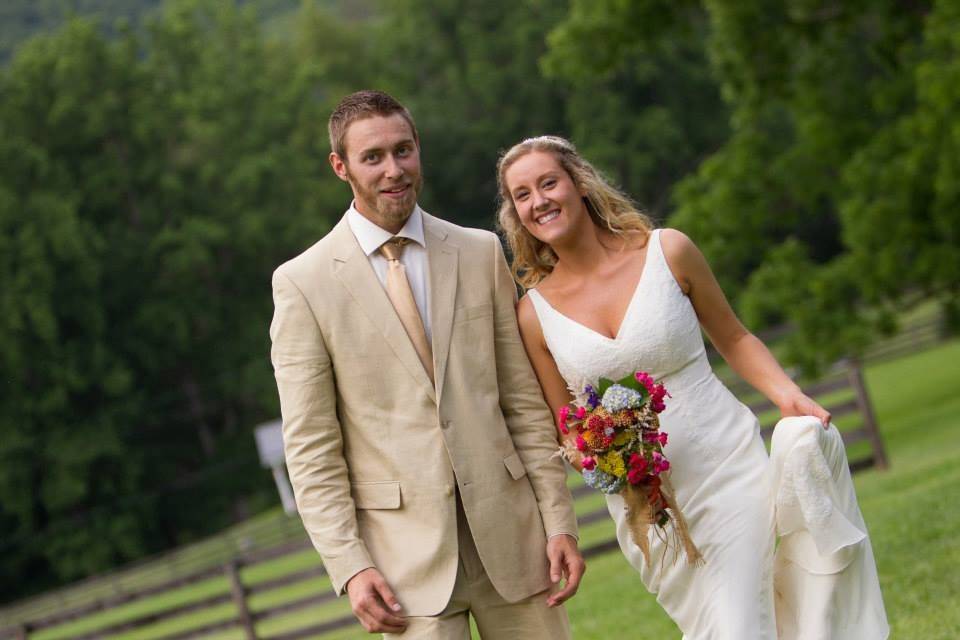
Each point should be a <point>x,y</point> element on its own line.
<point>370,236</point>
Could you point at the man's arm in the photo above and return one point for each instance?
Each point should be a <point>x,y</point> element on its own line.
<point>525,411</point>
<point>534,436</point>
<point>312,440</point>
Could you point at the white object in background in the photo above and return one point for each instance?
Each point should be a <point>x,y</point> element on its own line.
<point>269,436</point>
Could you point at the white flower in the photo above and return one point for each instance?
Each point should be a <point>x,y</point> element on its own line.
<point>617,398</point>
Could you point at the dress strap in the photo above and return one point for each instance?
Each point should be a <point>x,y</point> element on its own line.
<point>540,305</point>
<point>655,252</point>
<point>657,262</point>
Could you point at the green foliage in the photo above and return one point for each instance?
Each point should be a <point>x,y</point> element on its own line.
<point>835,190</point>
<point>822,301</point>
<point>832,194</point>
<point>802,81</point>
<point>150,185</point>
<point>901,212</point>
<point>21,19</point>
<point>469,73</point>
<point>643,105</point>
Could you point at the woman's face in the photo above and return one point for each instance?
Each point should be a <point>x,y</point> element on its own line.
<point>549,204</point>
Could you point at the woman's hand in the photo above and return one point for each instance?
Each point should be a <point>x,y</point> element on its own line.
<point>799,404</point>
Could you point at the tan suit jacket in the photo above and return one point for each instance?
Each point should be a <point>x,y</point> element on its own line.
<point>376,453</point>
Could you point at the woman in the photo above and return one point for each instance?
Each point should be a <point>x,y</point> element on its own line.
<point>608,295</point>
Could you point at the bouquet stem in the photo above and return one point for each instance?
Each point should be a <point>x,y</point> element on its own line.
<point>642,507</point>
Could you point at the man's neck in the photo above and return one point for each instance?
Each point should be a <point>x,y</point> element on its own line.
<point>389,226</point>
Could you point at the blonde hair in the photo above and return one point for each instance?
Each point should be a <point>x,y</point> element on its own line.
<point>609,208</point>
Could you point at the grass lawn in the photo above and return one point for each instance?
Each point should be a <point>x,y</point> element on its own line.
<point>911,510</point>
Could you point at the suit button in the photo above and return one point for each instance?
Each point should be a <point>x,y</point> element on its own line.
<point>445,424</point>
<point>449,490</point>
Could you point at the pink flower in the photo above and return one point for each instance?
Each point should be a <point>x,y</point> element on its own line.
<point>581,412</point>
<point>657,406</point>
<point>581,443</point>
<point>635,476</point>
<point>660,464</point>
<point>638,462</point>
<point>588,463</point>
<point>562,415</point>
<point>663,438</point>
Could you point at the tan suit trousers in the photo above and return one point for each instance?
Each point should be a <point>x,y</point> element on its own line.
<point>496,619</point>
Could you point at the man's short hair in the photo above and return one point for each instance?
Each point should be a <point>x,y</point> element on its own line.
<point>357,106</point>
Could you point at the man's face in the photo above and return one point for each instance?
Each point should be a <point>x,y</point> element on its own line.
<point>382,165</point>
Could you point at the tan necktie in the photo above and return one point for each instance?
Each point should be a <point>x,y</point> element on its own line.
<point>400,294</point>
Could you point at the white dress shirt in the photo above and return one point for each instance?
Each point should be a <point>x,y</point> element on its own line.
<point>414,256</point>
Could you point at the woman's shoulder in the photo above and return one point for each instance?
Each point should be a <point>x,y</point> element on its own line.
<point>677,247</point>
<point>674,240</point>
<point>527,318</point>
<point>681,255</point>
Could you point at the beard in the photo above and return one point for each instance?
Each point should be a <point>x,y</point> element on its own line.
<point>389,211</point>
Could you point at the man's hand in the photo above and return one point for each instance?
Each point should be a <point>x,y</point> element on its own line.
<point>565,562</point>
<point>374,604</point>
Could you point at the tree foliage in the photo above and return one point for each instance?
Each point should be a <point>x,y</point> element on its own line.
<point>149,186</point>
<point>832,196</point>
<point>642,104</point>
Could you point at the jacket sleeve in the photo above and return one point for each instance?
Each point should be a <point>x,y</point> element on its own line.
<point>313,443</point>
<point>526,413</point>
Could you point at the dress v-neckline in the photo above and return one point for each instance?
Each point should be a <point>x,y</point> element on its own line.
<point>626,314</point>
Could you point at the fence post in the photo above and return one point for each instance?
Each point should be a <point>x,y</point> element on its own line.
<point>855,375</point>
<point>240,600</point>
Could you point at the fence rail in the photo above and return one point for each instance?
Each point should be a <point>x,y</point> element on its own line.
<point>842,391</point>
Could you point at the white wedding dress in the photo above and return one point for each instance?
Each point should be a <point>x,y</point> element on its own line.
<point>821,585</point>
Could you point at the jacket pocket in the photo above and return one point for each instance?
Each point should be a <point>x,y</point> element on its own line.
<point>376,495</point>
<point>514,465</point>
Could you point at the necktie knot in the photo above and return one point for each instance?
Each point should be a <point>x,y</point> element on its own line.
<point>392,249</point>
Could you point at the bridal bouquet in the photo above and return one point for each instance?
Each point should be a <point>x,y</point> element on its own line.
<point>619,445</point>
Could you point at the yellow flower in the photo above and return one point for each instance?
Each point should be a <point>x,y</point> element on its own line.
<point>612,463</point>
<point>621,439</point>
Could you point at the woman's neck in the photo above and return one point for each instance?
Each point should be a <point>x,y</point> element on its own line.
<point>587,253</point>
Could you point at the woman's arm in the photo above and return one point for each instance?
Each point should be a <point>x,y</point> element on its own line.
<point>552,384</point>
<point>744,352</point>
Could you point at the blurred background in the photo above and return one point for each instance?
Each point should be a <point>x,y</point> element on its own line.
<point>159,158</point>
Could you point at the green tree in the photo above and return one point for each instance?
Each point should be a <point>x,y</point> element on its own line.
<point>149,186</point>
<point>469,73</point>
<point>643,105</point>
<point>832,198</point>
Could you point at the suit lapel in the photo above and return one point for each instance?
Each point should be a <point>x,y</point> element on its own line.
<point>352,267</point>
<point>443,259</point>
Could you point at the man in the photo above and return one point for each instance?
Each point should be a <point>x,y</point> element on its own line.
<point>417,440</point>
